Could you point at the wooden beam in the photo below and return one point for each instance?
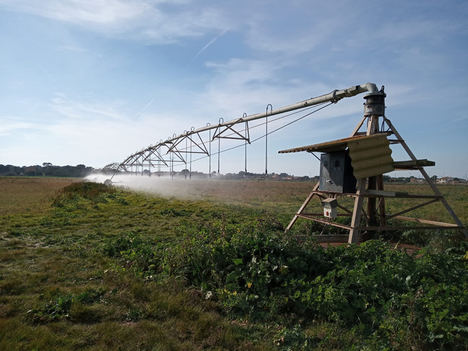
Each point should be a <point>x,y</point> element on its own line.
<point>357,211</point>
<point>358,126</point>
<point>381,193</point>
<point>426,221</point>
<point>396,194</point>
<point>345,209</point>
<point>324,221</point>
<point>412,164</point>
<point>382,212</point>
<point>321,214</point>
<point>432,227</point>
<point>413,208</point>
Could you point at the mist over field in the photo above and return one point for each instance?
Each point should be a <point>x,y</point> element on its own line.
<point>165,186</point>
<point>250,192</point>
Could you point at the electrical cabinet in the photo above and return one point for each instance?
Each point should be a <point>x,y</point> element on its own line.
<point>330,208</point>
<point>336,173</point>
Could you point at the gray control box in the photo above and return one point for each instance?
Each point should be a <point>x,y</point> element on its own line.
<point>336,173</point>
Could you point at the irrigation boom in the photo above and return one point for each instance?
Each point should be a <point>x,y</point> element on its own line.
<point>333,96</point>
<point>156,155</point>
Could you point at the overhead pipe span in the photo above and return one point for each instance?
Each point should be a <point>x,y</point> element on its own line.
<point>333,96</point>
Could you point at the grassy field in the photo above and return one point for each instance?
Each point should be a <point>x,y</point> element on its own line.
<point>285,197</point>
<point>51,254</point>
<point>27,194</point>
<point>96,268</point>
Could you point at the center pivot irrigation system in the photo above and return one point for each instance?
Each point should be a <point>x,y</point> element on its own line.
<point>179,149</point>
<point>352,167</point>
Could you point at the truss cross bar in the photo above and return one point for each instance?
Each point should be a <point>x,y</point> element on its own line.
<point>165,162</point>
<point>178,154</point>
<point>200,145</point>
<point>219,133</point>
<point>156,153</point>
<point>176,142</point>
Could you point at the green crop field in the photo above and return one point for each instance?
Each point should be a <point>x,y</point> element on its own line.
<point>89,267</point>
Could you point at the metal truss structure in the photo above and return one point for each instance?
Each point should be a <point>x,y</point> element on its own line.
<point>179,149</point>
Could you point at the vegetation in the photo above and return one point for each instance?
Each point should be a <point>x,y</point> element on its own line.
<point>387,298</point>
<point>93,267</point>
<point>47,169</point>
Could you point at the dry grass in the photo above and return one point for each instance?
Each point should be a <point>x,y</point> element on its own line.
<point>29,194</point>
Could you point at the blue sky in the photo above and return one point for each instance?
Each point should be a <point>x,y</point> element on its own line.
<point>93,81</point>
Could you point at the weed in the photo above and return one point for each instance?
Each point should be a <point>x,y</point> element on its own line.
<point>54,309</point>
<point>137,253</point>
<point>294,338</point>
<point>269,276</point>
<point>134,314</point>
<point>95,192</point>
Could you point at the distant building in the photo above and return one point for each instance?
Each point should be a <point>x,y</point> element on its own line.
<point>446,180</point>
<point>414,180</point>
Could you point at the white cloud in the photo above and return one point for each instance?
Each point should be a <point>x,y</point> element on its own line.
<point>13,125</point>
<point>71,109</point>
<point>91,12</point>
<point>84,132</point>
<point>211,42</point>
<point>103,141</point>
<point>249,85</point>
<point>154,21</point>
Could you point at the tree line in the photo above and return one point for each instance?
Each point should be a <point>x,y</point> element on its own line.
<point>46,170</point>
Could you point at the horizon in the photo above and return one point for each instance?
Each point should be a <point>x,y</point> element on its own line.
<point>395,175</point>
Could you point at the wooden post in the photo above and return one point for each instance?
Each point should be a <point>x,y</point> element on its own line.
<point>372,128</point>
<point>354,235</point>
<point>371,201</point>
<point>380,186</point>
